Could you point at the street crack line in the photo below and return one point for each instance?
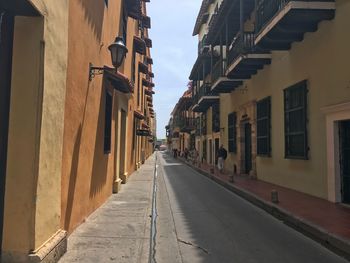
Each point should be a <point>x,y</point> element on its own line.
<point>152,249</point>
<point>193,245</point>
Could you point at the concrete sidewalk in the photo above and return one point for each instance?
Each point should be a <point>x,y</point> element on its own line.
<point>323,221</point>
<point>118,231</point>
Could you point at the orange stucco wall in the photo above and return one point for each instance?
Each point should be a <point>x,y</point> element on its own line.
<point>87,173</point>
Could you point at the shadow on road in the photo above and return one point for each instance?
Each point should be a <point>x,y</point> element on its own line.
<point>213,225</point>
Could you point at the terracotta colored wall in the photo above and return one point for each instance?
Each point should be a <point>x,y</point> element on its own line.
<point>87,175</point>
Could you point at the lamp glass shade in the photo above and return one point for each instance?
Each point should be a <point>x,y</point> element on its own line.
<point>118,52</point>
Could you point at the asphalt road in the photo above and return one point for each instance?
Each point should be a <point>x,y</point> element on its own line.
<point>200,221</point>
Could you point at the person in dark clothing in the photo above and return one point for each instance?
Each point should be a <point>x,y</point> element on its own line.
<point>175,153</point>
<point>222,155</point>
<point>186,152</point>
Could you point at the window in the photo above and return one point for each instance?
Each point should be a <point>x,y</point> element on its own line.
<point>124,24</point>
<point>138,88</point>
<point>232,133</point>
<point>198,126</point>
<point>204,124</point>
<point>134,134</point>
<point>295,121</point>
<point>216,118</point>
<point>263,112</point>
<point>133,65</point>
<point>108,122</point>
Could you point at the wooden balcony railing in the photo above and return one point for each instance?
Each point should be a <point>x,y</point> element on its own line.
<point>218,70</point>
<point>187,123</point>
<point>243,43</point>
<point>266,9</point>
<point>203,91</point>
<point>202,44</point>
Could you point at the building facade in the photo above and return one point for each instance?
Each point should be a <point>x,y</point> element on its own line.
<point>278,73</point>
<point>181,127</point>
<point>69,135</point>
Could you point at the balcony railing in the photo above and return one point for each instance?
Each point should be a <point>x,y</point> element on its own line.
<point>187,124</point>
<point>203,91</point>
<point>243,43</point>
<point>218,70</point>
<point>266,9</point>
<point>202,44</point>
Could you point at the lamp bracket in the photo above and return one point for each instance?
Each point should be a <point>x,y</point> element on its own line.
<point>93,71</point>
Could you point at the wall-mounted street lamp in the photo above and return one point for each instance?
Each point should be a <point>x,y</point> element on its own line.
<point>118,53</point>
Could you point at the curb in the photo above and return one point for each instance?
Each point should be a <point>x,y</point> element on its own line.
<point>330,241</point>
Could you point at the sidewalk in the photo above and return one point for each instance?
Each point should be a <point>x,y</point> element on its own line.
<point>325,222</point>
<point>118,231</point>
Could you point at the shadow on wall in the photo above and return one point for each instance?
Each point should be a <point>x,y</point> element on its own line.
<point>94,14</point>
<point>100,162</point>
<point>73,179</point>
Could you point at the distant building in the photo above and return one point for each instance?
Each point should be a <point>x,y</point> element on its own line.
<point>181,128</point>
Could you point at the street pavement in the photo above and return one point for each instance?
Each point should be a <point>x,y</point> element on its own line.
<point>197,221</point>
<point>119,231</point>
<point>200,221</point>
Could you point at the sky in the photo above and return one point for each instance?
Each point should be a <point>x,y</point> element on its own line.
<point>174,52</point>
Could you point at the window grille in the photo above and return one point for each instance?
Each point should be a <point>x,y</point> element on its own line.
<point>232,132</point>
<point>204,124</point>
<point>216,118</point>
<point>108,122</point>
<point>198,126</point>
<point>204,156</point>
<point>295,119</point>
<point>264,127</point>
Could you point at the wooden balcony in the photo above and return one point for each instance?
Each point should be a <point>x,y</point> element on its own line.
<point>203,100</point>
<point>187,124</point>
<point>244,58</point>
<point>281,22</point>
<point>221,83</point>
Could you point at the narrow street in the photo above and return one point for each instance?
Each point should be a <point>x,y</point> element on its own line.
<point>199,221</point>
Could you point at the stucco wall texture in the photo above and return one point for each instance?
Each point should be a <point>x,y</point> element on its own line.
<point>87,172</point>
<point>89,176</point>
<point>321,59</point>
<point>35,130</point>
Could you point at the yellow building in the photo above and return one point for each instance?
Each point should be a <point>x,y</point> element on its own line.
<point>279,73</point>
<point>70,122</point>
<point>181,129</point>
<point>34,46</point>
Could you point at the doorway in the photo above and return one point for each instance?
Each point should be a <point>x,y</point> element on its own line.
<point>217,142</point>
<point>210,152</point>
<point>248,147</point>
<point>344,136</point>
<point>6,43</point>
<point>123,123</point>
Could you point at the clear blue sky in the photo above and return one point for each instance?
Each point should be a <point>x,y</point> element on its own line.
<point>174,52</point>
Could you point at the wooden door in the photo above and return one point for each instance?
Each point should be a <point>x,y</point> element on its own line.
<point>345,160</point>
<point>248,147</point>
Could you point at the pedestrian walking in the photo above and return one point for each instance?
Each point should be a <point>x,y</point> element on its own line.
<point>175,153</point>
<point>222,155</point>
<point>186,153</point>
